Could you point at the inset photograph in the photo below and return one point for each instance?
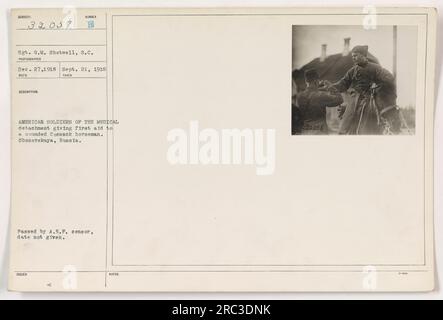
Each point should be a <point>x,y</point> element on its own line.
<point>347,80</point>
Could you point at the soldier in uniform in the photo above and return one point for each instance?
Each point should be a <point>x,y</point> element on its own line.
<point>373,108</point>
<point>313,102</point>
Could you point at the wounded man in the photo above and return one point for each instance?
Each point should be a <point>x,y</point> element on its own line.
<point>372,108</point>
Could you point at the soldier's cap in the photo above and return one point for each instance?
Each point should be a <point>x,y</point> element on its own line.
<point>363,50</point>
<point>311,75</point>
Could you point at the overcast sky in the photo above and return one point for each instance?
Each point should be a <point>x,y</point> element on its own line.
<point>307,41</point>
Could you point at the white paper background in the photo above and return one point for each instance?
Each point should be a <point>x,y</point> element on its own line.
<point>5,153</point>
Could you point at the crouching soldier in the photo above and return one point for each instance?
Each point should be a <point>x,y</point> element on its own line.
<point>313,102</point>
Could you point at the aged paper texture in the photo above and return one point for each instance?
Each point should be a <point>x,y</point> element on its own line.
<point>272,149</point>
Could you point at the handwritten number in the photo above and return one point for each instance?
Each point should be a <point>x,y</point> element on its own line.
<point>52,25</point>
<point>68,23</point>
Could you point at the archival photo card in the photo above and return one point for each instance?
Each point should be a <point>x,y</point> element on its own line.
<point>222,150</point>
